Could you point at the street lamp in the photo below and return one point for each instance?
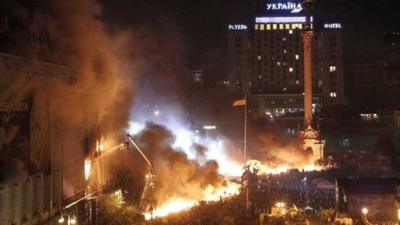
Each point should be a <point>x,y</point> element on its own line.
<point>364,211</point>
<point>61,219</point>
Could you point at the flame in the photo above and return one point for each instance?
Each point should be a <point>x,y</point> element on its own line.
<point>211,194</point>
<point>172,206</point>
<point>87,168</point>
<point>217,149</point>
<point>279,169</point>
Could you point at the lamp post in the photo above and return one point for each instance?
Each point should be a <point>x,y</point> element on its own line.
<point>364,211</point>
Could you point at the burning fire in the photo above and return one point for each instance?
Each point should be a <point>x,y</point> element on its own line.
<point>211,194</point>
<point>278,169</point>
<point>216,150</point>
<point>87,168</point>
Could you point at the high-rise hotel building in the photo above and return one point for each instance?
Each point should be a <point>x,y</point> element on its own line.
<point>266,58</point>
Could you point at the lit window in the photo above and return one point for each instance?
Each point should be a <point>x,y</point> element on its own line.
<point>274,27</point>
<point>290,69</point>
<point>268,26</point>
<point>259,57</point>
<point>297,57</point>
<point>297,82</point>
<point>287,26</point>
<point>284,39</point>
<point>332,94</point>
<point>256,27</point>
<point>284,51</point>
<point>262,27</point>
<point>332,68</point>
<point>284,89</point>
<point>290,31</point>
<point>281,27</point>
<point>278,63</point>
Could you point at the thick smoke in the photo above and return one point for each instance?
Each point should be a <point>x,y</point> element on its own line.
<point>177,175</point>
<point>88,90</point>
<point>274,152</point>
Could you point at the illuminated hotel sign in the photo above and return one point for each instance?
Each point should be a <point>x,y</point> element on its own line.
<point>293,19</point>
<point>237,27</point>
<point>332,25</point>
<point>286,6</point>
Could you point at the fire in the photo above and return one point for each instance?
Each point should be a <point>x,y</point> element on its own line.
<point>279,169</point>
<point>218,149</point>
<point>87,168</point>
<point>172,206</point>
<point>211,194</point>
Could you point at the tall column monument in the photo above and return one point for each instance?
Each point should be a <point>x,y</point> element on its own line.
<point>311,138</point>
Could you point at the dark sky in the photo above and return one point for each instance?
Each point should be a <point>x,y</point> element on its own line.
<point>201,24</point>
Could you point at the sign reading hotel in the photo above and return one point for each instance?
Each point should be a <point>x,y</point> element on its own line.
<point>284,7</point>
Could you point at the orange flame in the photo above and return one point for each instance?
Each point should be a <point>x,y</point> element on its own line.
<point>211,194</point>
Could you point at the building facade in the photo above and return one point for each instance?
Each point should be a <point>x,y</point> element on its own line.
<point>266,57</point>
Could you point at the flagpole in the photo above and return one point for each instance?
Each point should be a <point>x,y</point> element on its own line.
<point>245,130</point>
<point>245,153</point>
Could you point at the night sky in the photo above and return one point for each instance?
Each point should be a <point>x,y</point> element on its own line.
<point>201,25</point>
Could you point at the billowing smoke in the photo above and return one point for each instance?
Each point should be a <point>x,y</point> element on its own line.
<point>72,77</point>
<point>280,153</point>
<point>177,175</point>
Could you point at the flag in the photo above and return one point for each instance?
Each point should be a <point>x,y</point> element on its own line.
<point>240,102</point>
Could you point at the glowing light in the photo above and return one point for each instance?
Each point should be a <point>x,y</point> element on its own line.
<point>134,128</point>
<point>212,193</point>
<point>119,198</point>
<point>285,6</point>
<point>209,127</point>
<point>398,214</point>
<point>364,211</point>
<point>72,220</point>
<point>255,165</point>
<point>176,205</point>
<point>156,112</point>
<point>87,168</point>
<point>184,141</point>
<point>100,145</point>
<point>292,19</point>
<point>172,206</point>
<point>237,27</point>
<point>333,25</point>
<point>61,219</point>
